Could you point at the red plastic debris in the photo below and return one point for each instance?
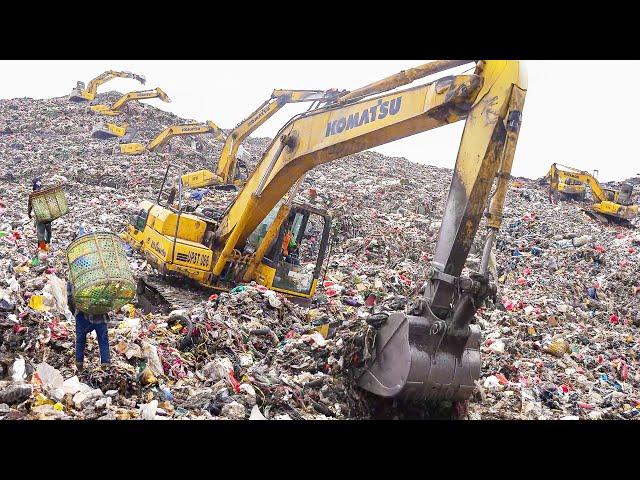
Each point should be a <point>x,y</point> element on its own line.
<point>599,249</point>
<point>213,297</point>
<point>521,281</point>
<point>234,383</point>
<point>614,319</point>
<point>624,373</point>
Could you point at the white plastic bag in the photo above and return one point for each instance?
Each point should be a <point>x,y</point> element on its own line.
<point>148,410</point>
<point>153,359</point>
<point>52,381</point>
<point>55,294</point>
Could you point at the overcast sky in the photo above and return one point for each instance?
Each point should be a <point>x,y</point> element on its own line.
<point>575,112</point>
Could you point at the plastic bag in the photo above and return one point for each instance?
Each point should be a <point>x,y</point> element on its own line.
<point>52,381</point>
<point>153,359</point>
<point>148,410</point>
<point>55,294</point>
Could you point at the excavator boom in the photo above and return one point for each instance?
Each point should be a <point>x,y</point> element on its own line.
<point>227,162</point>
<point>159,142</point>
<point>127,97</point>
<point>82,94</point>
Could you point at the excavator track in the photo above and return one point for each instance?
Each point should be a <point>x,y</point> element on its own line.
<point>606,220</point>
<point>158,294</point>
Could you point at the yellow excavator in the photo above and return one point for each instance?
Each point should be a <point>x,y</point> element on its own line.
<point>158,143</point>
<point>611,205</point>
<point>227,162</point>
<point>566,187</point>
<point>105,130</point>
<point>114,109</point>
<point>433,350</point>
<point>88,93</point>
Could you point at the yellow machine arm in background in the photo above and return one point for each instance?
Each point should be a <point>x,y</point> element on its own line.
<point>158,143</point>
<point>127,97</point>
<point>80,93</point>
<point>227,162</point>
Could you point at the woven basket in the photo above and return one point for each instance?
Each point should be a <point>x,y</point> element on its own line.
<point>99,272</point>
<point>49,203</point>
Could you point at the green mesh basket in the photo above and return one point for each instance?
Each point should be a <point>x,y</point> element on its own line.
<point>49,203</point>
<point>99,271</point>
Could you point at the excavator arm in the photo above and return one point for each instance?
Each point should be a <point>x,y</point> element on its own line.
<point>158,143</point>
<point>80,93</point>
<point>433,350</point>
<point>127,97</point>
<point>227,162</point>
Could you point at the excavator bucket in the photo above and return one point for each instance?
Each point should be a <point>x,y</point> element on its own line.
<point>163,96</point>
<point>76,93</point>
<point>414,359</point>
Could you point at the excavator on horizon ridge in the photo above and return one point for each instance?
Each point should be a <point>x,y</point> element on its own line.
<point>431,351</point>
<point>88,93</point>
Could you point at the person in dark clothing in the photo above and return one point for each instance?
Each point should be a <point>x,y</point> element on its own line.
<point>85,324</point>
<point>43,229</point>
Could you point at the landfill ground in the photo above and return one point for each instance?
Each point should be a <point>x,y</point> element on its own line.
<point>560,342</point>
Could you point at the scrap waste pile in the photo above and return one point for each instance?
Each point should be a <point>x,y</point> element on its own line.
<point>561,340</point>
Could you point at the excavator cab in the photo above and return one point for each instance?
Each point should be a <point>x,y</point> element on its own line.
<point>626,192</point>
<point>294,259</point>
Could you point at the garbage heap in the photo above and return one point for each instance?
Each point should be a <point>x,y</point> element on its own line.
<point>561,340</point>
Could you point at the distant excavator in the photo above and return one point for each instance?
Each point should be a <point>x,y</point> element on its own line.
<point>612,205</point>
<point>88,93</point>
<point>103,130</point>
<point>225,173</point>
<point>158,143</point>
<point>115,109</point>
<point>567,188</point>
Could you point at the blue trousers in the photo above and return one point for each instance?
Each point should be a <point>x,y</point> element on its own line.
<point>83,328</point>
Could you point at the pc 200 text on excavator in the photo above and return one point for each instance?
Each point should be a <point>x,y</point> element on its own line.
<point>433,350</point>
